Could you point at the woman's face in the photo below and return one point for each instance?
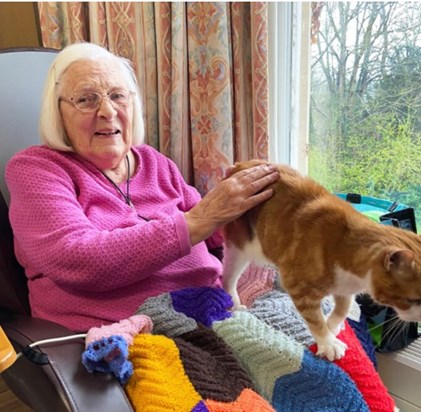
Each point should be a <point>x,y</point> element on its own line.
<point>103,136</point>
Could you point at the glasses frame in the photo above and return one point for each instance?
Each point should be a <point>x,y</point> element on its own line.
<point>102,96</point>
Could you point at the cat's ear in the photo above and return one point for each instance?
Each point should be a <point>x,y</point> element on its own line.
<point>398,259</point>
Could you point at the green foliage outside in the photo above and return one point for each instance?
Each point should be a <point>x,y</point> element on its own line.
<point>380,159</point>
<point>365,113</point>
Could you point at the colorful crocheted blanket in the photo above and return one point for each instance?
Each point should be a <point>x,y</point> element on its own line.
<point>199,356</point>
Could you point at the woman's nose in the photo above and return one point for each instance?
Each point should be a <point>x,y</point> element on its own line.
<point>106,108</point>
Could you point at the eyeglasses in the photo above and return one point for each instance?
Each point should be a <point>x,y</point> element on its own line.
<point>88,101</point>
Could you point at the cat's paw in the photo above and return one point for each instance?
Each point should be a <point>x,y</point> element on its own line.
<point>331,348</point>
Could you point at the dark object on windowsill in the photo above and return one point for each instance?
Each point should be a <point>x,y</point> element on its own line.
<point>405,219</point>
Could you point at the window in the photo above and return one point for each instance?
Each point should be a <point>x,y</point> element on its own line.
<point>347,109</point>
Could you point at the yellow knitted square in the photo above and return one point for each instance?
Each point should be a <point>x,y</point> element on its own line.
<point>159,382</point>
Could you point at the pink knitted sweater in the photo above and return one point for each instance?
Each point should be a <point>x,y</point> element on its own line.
<point>89,258</point>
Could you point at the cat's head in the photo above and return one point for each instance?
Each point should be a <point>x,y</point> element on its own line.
<point>396,281</point>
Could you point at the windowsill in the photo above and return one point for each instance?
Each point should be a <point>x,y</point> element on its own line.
<point>401,373</point>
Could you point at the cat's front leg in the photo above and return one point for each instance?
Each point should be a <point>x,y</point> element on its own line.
<point>328,345</point>
<point>335,321</point>
<point>234,263</point>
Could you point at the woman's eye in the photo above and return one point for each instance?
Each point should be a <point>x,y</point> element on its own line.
<point>117,96</point>
<point>86,98</point>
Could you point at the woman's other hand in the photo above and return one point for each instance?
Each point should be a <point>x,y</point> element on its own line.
<point>229,199</point>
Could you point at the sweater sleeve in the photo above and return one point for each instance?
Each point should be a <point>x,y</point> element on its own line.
<point>56,239</point>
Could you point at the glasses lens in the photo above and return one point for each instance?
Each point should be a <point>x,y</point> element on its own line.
<point>86,100</point>
<point>120,97</point>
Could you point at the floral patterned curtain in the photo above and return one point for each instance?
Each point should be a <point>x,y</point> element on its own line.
<point>201,67</point>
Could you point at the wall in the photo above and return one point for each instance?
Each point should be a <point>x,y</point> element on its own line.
<point>19,25</point>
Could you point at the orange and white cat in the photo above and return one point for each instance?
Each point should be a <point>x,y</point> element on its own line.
<point>322,246</point>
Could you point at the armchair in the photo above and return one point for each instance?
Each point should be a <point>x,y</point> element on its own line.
<point>62,384</point>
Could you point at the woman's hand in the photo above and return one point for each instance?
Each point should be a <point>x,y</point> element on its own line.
<point>229,199</point>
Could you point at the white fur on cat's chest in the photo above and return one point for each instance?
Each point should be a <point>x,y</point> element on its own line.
<point>347,283</point>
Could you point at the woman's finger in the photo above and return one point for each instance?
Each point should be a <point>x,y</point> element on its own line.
<point>261,183</point>
<point>256,172</point>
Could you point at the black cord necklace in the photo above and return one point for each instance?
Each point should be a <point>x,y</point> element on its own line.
<point>125,196</point>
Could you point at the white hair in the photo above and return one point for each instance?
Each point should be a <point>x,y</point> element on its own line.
<point>52,130</point>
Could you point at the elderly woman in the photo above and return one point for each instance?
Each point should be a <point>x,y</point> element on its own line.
<point>101,220</point>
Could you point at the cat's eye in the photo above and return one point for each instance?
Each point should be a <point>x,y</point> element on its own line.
<point>414,301</point>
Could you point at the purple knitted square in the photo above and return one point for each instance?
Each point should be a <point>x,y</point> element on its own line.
<point>205,305</point>
<point>200,407</point>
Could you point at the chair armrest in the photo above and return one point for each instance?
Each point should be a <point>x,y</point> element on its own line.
<point>63,384</point>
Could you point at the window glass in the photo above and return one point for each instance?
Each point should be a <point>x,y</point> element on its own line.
<point>365,109</point>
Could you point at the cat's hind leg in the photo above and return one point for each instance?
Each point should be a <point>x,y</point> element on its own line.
<point>335,321</point>
<point>234,263</point>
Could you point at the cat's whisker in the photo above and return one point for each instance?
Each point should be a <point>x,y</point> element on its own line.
<point>384,323</point>
<point>396,334</point>
<point>392,333</point>
<point>397,329</point>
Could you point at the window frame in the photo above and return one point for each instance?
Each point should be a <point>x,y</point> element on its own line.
<point>289,82</point>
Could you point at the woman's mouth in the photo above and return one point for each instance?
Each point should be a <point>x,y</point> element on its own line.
<point>107,132</point>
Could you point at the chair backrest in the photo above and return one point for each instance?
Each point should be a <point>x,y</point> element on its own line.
<point>13,287</point>
<point>22,76</point>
